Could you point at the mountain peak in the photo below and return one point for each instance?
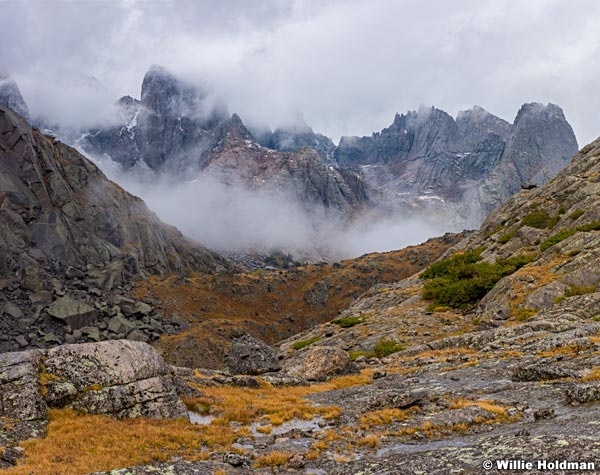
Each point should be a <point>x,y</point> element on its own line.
<point>11,95</point>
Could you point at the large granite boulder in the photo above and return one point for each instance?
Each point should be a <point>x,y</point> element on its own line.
<point>120,378</point>
<point>323,362</point>
<point>23,411</point>
<point>250,356</point>
<point>123,378</point>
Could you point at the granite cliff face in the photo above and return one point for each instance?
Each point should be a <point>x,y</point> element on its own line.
<point>71,240</point>
<point>472,163</point>
<point>178,130</point>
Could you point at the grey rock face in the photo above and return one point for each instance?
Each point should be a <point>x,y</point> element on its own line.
<point>120,378</point>
<point>69,238</point>
<point>323,362</point>
<point>250,356</point>
<point>176,129</point>
<point>473,162</point>
<point>10,95</point>
<point>74,313</point>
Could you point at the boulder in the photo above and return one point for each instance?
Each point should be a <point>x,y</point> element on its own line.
<point>122,378</point>
<point>119,324</point>
<point>250,356</point>
<point>132,308</point>
<point>119,378</point>
<point>23,411</point>
<point>75,313</point>
<point>323,362</point>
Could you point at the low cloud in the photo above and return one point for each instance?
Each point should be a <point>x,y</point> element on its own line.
<point>234,219</point>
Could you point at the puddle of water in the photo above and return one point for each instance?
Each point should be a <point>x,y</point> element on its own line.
<point>311,425</point>
<point>412,448</point>
<point>199,418</point>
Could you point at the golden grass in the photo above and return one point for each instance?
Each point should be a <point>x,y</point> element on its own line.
<point>264,429</point>
<point>381,417</point>
<point>272,459</point>
<point>277,404</point>
<point>369,441</point>
<point>592,375</point>
<point>566,350</point>
<point>486,405</point>
<point>77,444</point>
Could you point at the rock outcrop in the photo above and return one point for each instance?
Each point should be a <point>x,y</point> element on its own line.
<point>250,356</point>
<point>472,163</point>
<point>323,362</point>
<point>119,378</point>
<point>71,240</point>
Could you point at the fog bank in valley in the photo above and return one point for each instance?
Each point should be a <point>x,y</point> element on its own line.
<point>235,219</point>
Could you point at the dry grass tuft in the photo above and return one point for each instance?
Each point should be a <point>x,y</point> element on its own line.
<point>381,417</point>
<point>369,441</point>
<point>592,375</point>
<point>273,459</point>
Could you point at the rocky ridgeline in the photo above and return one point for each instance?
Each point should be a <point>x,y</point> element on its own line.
<point>179,130</point>
<point>72,242</point>
<point>471,164</point>
<point>426,161</point>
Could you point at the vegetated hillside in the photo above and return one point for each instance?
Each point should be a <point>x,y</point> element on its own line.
<point>271,304</point>
<point>71,241</point>
<point>510,316</point>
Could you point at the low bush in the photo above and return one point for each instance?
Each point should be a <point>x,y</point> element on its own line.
<point>539,220</point>
<point>462,280</point>
<point>304,343</point>
<point>576,214</point>
<point>348,322</point>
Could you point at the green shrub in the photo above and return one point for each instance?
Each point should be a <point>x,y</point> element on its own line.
<point>304,343</point>
<point>348,322</point>
<point>539,220</point>
<point>522,314</point>
<point>504,238</point>
<point>593,226</point>
<point>462,280</point>
<point>567,233</point>
<point>556,238</point>
<point>576,214</point>
<point>576,290</point>
<point>387,347</point>
<point>382,348</point>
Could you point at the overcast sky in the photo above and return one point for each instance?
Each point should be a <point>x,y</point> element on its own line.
<point>348,65</point>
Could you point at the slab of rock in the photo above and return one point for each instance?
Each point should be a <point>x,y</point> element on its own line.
<point>584,393</point>
<point>119,378</point>
<point>250,356</point>
<point>323,362</point>
<point>123,378</point>
<point>23,411</point>
<point>72,312</point>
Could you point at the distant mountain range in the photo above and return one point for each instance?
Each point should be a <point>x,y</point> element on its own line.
<point>425,162</point>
